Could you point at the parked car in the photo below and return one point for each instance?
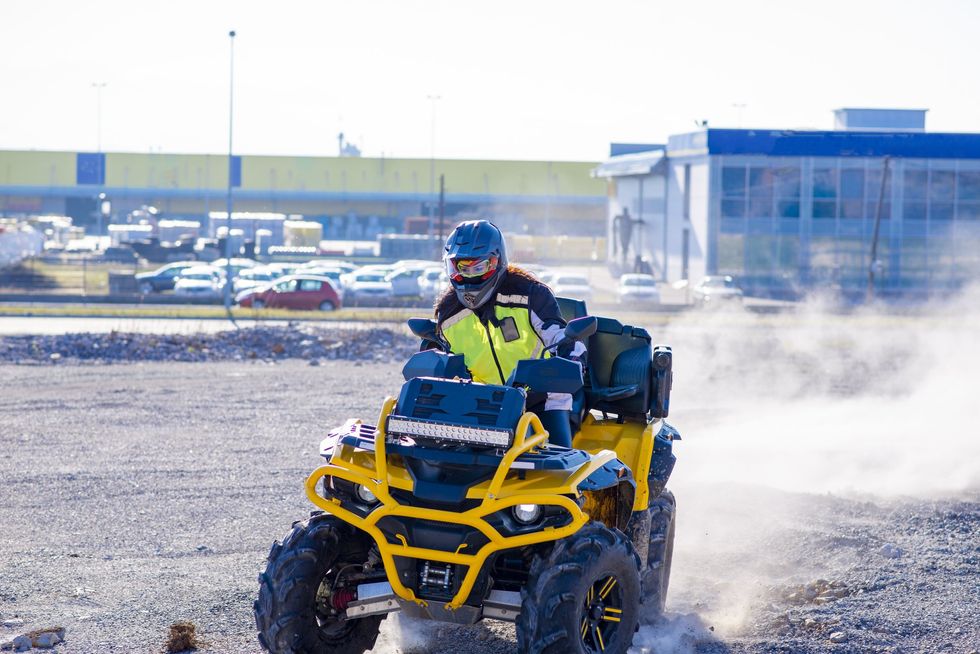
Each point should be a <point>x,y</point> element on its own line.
<point>570,285</point>
<point>238,264</point>
<point>638,289</point>
<point>432,281</point>
<point>363,285</point>
<point>162,279</point>
<point>308,292</point>
<point>344,266</point>
<point>335,275</point>
<point>715,289</point>
<point>282,269</point>
<point>200,281</point>
<point>405,282</point>
<point>537,270</point>
<point>252,277</point>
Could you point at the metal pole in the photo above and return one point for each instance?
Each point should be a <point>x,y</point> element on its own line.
<point>228,204</point>
<point>874,236</point>
<point>442,213</point>
<point>432,160</point>
<point>98,86</point>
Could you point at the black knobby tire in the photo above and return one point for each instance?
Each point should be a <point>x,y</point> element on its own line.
<point>559,610</point>
<point>286,611</point>
<point>656,577</point>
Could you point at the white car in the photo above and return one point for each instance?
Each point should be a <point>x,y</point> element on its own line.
<point>432,281</point>
<point>199,281</point>
<point>238,264</point>
<point>281,269</point>
<point>570,285</point>
<point>329,264</point>
<point>336,276</point>
<point>363,285</point>
<point>638,289</point>
<point>404,282</point>
<point>252,277</point>
<point>715,289</point>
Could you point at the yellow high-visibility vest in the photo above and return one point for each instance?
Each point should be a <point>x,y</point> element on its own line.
<point>491,351</point>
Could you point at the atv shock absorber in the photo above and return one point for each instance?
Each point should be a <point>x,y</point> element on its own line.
<point>342,598</point>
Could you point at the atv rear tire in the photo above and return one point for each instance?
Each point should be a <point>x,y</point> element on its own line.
<point>656,576</point>
<point>583,598</point>
<point>287,614</point>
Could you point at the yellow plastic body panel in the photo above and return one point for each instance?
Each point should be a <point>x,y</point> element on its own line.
<point>632,443</point>
<point>504,490</point>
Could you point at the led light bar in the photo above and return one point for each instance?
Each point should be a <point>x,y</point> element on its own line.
<point>447,432</point>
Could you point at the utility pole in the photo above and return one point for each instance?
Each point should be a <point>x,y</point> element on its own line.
<point>228,204</point>
<point>873,265</point>
<point>98,86</point>
<point>432,158</point>
<point>442,213</point>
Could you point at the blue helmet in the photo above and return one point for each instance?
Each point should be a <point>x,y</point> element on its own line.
<point>476,261</point>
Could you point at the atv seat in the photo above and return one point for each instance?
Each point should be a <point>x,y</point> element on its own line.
<point>626,377</point>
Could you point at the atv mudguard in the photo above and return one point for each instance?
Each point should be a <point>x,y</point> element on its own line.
<point>646,453</point>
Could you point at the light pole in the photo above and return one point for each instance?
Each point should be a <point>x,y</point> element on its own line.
<point>432,159</point>
<point>740,106</point>
<point>228,205</point>
<point>98,86</point>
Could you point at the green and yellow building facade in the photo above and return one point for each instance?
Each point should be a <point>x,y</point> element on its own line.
<point>532,197</point>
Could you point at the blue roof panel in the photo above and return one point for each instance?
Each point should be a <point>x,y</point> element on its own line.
<point>790,143</point>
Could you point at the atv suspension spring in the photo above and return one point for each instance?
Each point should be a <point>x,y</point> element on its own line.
<point>342,598</point>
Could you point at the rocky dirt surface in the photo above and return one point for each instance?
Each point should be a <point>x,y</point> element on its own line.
<point>828,488</point>
<point>304,341</point>
<point>135,496</point>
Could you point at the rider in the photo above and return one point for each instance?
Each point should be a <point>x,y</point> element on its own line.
<point>496,314</point>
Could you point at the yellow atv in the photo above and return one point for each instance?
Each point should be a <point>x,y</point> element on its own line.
<point>454,507</point>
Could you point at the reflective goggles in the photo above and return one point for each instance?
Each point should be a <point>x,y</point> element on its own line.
<point>461,270</point>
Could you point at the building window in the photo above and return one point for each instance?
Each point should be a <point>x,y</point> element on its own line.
<point>852,193</point>
<point>731,254</point>
<point>914,189</point>
<point>825,193</point>
<point>733,193</point>
<point>968,196</point>
<point>760,192</point>
<point>942,192</point>
<point>786,183</point>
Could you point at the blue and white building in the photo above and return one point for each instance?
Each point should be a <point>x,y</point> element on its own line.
<point>789,210</point>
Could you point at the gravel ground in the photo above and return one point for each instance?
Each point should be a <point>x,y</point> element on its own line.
<point>139,494</point>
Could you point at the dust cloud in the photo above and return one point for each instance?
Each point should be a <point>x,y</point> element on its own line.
<point>784,415</point>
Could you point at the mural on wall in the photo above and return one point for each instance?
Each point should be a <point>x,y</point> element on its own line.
<point>627,253</point>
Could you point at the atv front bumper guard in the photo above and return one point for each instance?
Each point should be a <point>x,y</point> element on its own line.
<point>379,481</point>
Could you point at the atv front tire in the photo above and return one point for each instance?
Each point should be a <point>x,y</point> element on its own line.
<point>583,598</point>
<point>289,617</point>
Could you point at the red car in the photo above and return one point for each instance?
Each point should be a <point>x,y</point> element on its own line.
<point>293,292</point>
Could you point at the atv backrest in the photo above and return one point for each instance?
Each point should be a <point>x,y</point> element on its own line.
<point>628,377</point>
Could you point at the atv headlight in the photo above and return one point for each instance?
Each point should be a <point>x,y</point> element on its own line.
<point>365,494</point>
<point>526,513</point>
<point>448,432</point>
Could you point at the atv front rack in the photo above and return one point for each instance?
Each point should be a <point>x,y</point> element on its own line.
<point>374,473</point>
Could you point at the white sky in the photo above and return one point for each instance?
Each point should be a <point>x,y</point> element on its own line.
<point>531,79</point>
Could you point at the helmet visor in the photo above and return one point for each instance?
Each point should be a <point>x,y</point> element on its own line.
<point>472,271</point>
